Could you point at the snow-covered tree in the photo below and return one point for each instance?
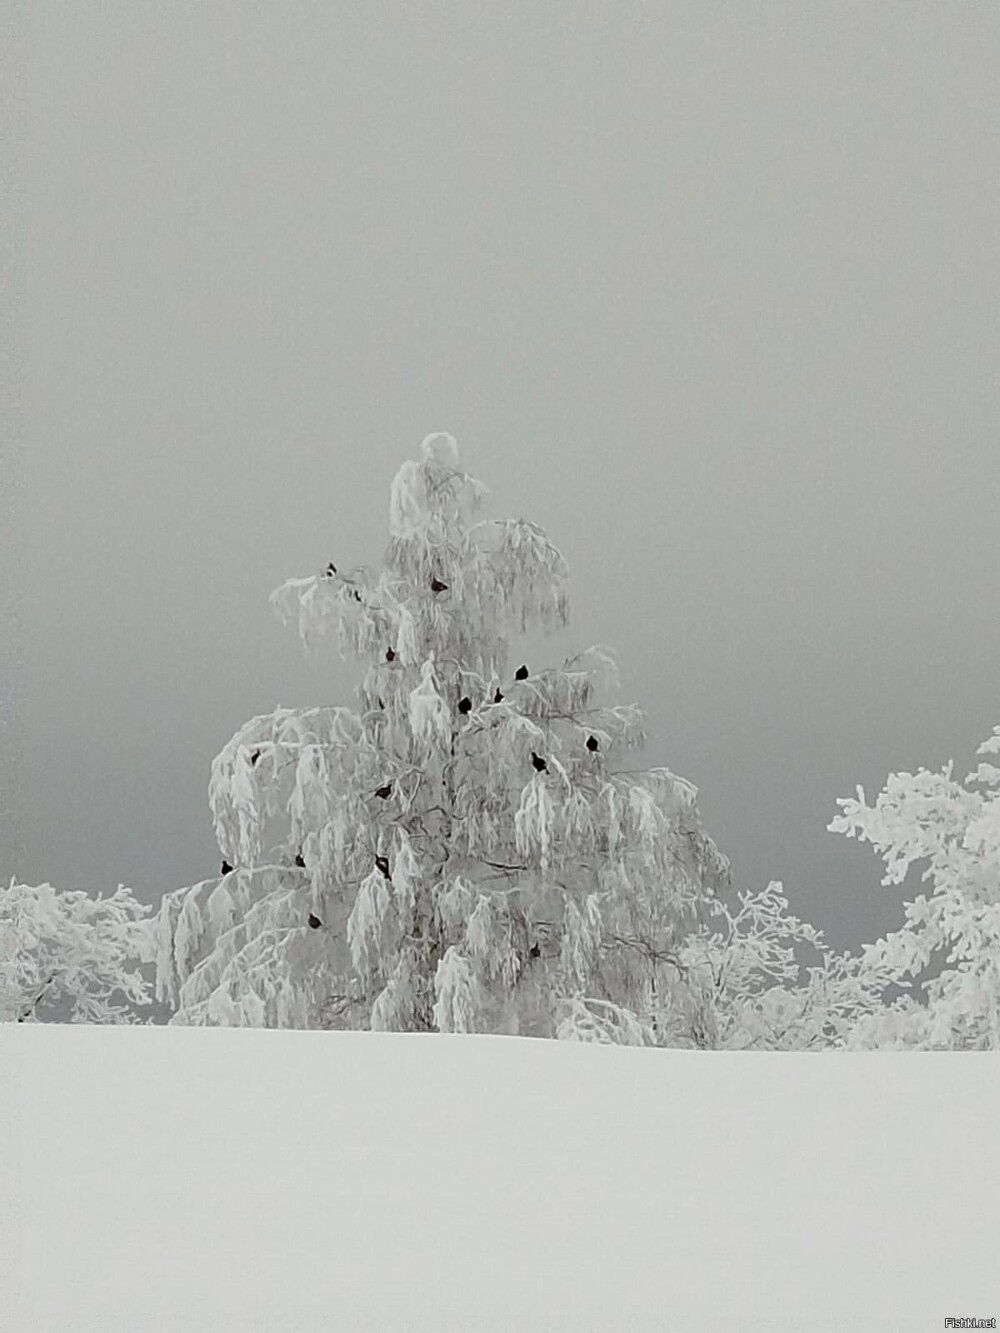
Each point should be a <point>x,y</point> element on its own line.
<point>462,851</point>
<point>69,957</point>
<point>748,991</point>
<point>955,829</point>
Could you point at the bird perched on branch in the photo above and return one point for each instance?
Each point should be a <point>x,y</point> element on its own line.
<point>357,595</point>
<point>438,586</point>
<point>330,571</point>
<point>314,921</point>
<point>384,792</point>
<point>521,673</point>
<point>538,763</point>
<point>254,757</point>
<point>534,951</point>
<point>498,697</point>
<point>227,869</point>
<point>390,655</point>
<point>592,743</point>
<point>465,705</point>
<point>382,865</point>
<point>300,861</point>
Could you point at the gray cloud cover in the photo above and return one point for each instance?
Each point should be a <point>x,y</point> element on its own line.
<point>708,291</point>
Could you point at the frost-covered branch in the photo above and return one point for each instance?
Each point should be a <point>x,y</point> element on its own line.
<point>930,817</point>
<point>68,957</point>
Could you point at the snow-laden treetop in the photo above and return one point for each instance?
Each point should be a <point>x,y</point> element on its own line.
<point>501,575</point>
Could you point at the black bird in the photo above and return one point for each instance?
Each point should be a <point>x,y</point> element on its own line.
<point>383,792</point>
<point>330,570</point>
<point>314,921</point>
<point>227,869</point>
<point>381,704</point>
<point>390,656</point>
<point>591,743</point>
<point>438,586</point>
<point>382,865</point>
<point>465,705</point>
<point>521,673</point>
<point>498,697</point>
<point>254,757</point>
<point>300,861</point>
<point>534,951</point>
<point>357,595</point>
<point>539,764</point>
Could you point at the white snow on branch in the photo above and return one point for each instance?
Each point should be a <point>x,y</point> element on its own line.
<point>71,956</point>
<point>367,926</point>
<point>409,512</point>
<point>429,718</point>
<point>455,987</point>
<point>534,822</point>
<point>593,1020</point>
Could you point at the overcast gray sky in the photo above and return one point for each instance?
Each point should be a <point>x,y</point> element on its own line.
<point>709,291</point>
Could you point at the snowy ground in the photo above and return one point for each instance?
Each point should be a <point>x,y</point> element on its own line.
<point>184,1180</point>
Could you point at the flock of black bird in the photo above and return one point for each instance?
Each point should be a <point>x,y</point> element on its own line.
<point>385,791</point>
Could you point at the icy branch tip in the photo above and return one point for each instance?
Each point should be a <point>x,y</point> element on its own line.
<point>440,447</point>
